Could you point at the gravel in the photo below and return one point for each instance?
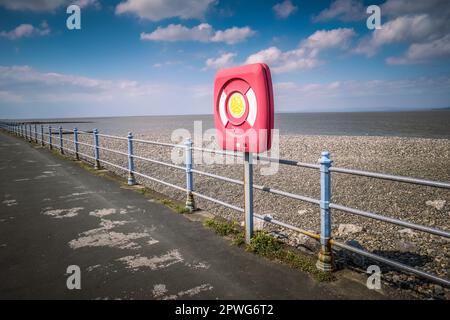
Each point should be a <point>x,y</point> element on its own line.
<point>415,157</point>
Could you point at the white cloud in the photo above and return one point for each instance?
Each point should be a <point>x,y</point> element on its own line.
<point>343,10</point>
<point>305,56</point>
<point>233,35</point>
<point>381,95</point>
<point>26,30</point>
<point>423,26</point>
<point>401,29</point>
<point>404,7</point>
<point>71,95</point>
<point>155,10</point>
<point>44,5</point>
<point>203,33</point>
<point>325,39</point>
<point>284,9</point>
<point>424,52</point>
<point>222,61</point>
<point>177,32</point>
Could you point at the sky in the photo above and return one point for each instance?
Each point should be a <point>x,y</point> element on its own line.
<point>154,57</point>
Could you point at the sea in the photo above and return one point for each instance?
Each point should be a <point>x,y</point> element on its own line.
<point>420,124</point>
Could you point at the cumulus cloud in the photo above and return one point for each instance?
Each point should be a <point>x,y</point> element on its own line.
<point>404,29</point>
<point>424,52</point>
<point>233,35</point>
<point>177,32</point>
<point>343,10</point>
<point>155,10</point>
<point>284,9</point>
<point>26,30</point>
<point>424,26</point>
<point>403,7</point>
<point>224,60</point>
<point>203,33</point>
<point>306,55</point>
<point>44,5</point>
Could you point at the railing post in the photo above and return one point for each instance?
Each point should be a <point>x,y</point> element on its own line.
<point>35,133</point>
<point>61,145</point>
<point>42,135</point>
<point>248,196</point>
<point>26,131</point>
<point>29,132</point>
<point>325,261</point>
<point>50,137</point>
<point>75,142</point>
<point>190,203</point>
<point>96,150</point>
<point>131,179</point>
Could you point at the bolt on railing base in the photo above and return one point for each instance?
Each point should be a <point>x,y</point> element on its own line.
<point>131,179</point>
<point>325,261</point>
<point>190,203</point>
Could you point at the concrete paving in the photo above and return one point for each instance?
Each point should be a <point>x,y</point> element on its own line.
<point>54,213</point>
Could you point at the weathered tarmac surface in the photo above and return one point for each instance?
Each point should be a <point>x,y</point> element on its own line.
<point>54,213</point>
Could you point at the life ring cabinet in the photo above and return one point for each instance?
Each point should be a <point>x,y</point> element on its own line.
<point>244,108</point>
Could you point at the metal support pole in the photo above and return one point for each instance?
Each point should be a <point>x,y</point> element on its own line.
<point>35,133</point>
<point>61,145</point>
<point>248,196</point>
<point>131,179</point>
<point>75,142</point>
<point>190,203</point>
<point>42,135</point>
<point>96,150</point>
<point>26,131</point>
<point>325,261</point>
<point>50,137</point>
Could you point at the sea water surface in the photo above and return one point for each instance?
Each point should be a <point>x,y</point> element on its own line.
<point>422,124</point>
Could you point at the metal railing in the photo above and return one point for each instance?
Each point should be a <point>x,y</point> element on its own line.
<point>325,259</point>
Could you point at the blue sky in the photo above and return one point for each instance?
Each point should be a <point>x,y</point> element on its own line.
<point>145,57</point>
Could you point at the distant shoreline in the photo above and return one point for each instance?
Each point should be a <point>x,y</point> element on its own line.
<point>417,124</point>
<point>62,119</point>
